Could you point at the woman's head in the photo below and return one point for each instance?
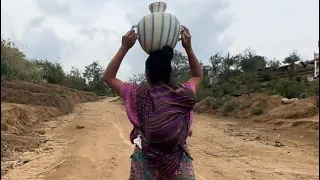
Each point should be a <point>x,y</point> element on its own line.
<point>158,66</point>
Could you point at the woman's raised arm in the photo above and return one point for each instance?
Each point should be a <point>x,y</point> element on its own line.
<point>195,67</point>
<point>128,41</point>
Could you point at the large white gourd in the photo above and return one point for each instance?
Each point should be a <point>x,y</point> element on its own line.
<point>158,29</point>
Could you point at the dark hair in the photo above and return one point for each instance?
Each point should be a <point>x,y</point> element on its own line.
<point>158,65</point>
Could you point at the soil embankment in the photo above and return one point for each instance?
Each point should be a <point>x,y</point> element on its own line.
<point>26,105</point>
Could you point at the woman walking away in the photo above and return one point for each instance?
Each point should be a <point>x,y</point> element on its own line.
<point>161,114</point>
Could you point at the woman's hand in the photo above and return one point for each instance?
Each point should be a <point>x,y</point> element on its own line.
<point>185,38</point>
<point>129,39</point>
<point>194,64</point>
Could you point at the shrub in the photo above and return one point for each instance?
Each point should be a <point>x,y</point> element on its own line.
<point>293,89</point>
<point>229,107</point>
<point>244,106</point>
<point>207,101</point>
<point>256,111</point>
<point>266,76</point>
<point>14,64</point>
<point>217,103</point>
<point>51,72</point>
<point>75,82</point>
<point>203,93</point>
<point>298,78</point>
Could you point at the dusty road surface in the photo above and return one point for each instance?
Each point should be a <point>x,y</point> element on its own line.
<point>101,150</point>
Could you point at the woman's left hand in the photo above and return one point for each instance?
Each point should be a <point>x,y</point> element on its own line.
<point>129,39</point>
<point>185,38</point>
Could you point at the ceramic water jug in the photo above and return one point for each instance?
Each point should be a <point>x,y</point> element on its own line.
<point>158,29</point>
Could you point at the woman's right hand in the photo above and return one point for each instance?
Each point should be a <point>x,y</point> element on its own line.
<point>185,38</point>
<point>129,39</point>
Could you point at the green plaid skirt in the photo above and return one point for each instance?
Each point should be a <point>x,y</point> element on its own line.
<point>140,170</point>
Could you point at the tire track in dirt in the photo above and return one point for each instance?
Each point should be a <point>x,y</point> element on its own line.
<point>121,134</point>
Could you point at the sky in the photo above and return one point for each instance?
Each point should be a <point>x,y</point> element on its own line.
<point>78,32</point>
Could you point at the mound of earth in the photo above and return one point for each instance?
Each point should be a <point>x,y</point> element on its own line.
<point>265,109</point>
<point>271,107</point>
<point>60,97</point>
<point>24,105</point>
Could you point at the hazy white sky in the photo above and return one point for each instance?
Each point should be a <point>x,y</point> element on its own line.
<point>78,32</point>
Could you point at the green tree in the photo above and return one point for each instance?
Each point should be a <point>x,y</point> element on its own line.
<point>94,76</point>
<point>75,72</point>
<point>139,79</point>
<point>216,64</point>
<point>273,63</point>
<point>75,80</point>
<point>179,61</point>
<point>230,67</point>
<point>51,72</point>
<point>180,70</point>
<point>251,62</point>
<point>291,59</point>
<point>228,62</point>
<point>15,65</point>
<point>207,74</point>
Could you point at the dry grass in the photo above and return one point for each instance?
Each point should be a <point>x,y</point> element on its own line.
<point>15,65</point>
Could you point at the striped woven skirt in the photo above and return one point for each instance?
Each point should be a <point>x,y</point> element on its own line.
<point>140,170</point>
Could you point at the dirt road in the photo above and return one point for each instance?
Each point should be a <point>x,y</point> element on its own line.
<point>101,150</point>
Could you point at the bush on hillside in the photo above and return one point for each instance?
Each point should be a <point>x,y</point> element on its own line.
<point>51,72</point>
<point>293,89</point>
<point>14,64</point>
<point>219,102</point>
<point>229,107</point>
<point>256,111</point>
<point>75,82</point>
